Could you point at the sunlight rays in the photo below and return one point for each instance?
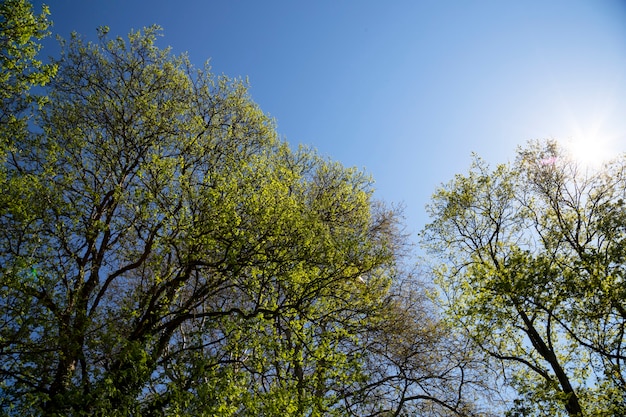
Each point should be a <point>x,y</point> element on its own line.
<point>594,145</point>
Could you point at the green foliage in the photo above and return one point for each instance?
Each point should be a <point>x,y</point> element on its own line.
<point>164,253</point>
<point>535,277</point>
<point>20,70</point>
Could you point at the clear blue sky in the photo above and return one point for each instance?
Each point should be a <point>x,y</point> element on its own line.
<point>405,89</point>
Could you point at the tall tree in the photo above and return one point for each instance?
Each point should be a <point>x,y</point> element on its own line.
<point>533,269</point>
<point>163,253</point>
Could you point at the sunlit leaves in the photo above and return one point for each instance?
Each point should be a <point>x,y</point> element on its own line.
<point>186,261</point>
<point>162,252</point>
<point>533,274</point>
<point>20,69</point>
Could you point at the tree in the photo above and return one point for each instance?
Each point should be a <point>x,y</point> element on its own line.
<point>533,269</point>
<point>162,252</point>
<point>417,364</point>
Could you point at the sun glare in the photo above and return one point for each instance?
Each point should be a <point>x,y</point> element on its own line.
<point>589,151</point>
<point>593,148</point>
<point>595,139</point>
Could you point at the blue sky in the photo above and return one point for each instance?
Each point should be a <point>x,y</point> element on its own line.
<point>404,89</point>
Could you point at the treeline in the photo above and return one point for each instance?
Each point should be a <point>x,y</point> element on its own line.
<point>163,252</point>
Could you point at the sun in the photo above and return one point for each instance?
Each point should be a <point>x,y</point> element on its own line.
<point>593,148</point>
<point>594,140</point>
<point>590,151</point>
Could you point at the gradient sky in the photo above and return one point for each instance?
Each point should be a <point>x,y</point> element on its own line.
<point>404,89</point>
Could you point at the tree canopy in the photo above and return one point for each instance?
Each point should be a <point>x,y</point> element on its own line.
<point>533,269</point>
<point>163,252</point>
